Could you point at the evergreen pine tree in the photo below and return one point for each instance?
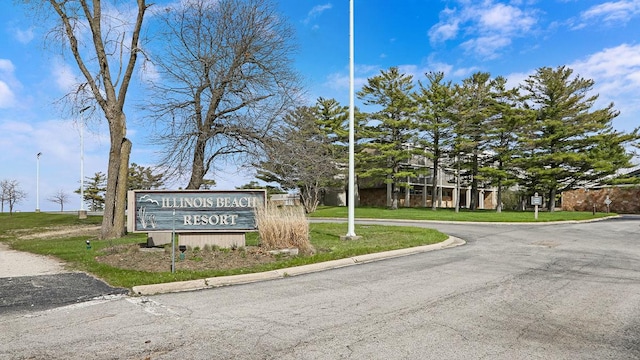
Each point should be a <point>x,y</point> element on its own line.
<point>391,131</point>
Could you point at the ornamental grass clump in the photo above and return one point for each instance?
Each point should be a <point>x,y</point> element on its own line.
<point>283,227</point>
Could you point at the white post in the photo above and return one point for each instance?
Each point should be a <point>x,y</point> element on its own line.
<point>38,181</point>
<point>82,158</point>
<point>81,164</point>
<point>536,206</point>
<point>351,232</point>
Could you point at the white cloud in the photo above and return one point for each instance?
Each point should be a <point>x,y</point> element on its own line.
<point>616,74</point>
<point>612,11</point>
<point>516,79</point>
<point>64,76</point>
<point>488,47</point>
<point>24,36</point>
<point>616,70</point>
<point>444,31</point>
<point>503,18</point>
<point>6,67</point>
<point>7,98</point>
<point>7,83</point>
<point>316,11</point>
<point>489,26</point>
<point>340,81</point>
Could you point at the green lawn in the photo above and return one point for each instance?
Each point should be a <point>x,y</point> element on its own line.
<point>451,215</point>
<point>325,238</point>
<point>29,221</point>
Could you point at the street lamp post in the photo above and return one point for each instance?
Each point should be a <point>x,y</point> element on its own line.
<point>38,181</point>
<point>82,214</point>
<point>351,232</point>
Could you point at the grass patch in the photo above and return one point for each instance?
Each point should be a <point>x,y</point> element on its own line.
<point>451,215</point>
<point>325,238</point>
<point>37,221</point>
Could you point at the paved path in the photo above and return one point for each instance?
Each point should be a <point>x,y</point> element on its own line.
<point>17,263</point>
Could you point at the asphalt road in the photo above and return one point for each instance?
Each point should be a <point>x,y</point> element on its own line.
<point>563,291</point>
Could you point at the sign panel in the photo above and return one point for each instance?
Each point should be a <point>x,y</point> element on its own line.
<point>536,200</point>
<point>194,210</point>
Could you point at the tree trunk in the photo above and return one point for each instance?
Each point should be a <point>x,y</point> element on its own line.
<point>198,170</point>
<point>424,192</point>
<point>113,221</point>
<point>394,194</point>
<point>457,185</point>
<point>434,182</point>
<point>407,194</point>
<point>474,183</point>
<point>499,198</point>
<point>552,199</point>
<point>389,192</point>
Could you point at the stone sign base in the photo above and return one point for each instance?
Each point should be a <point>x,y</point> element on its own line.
<point>193,240</point>
<point>158,238</point>
<point>223,240</point>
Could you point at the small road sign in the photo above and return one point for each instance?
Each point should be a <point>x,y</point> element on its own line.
<point>536,200</point>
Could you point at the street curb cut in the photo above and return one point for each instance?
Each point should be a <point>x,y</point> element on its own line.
<point>214,282</point>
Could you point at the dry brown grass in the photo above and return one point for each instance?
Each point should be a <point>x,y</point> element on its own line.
<point>283,227</point>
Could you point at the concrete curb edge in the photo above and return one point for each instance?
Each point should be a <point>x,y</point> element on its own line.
<point>214,282</point>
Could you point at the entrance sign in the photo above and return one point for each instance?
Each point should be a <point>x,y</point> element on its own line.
<point>191,211</point>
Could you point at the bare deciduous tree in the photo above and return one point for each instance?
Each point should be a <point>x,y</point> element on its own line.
<point>301,158</point>
<point>105,46</point>
<point>225,77</point>
<point>60,198</point>
<point>11,193</point>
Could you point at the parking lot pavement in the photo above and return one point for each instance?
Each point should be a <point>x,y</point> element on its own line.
<point>42,292</point>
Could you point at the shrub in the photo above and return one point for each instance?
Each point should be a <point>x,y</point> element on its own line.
<point>283,227</point>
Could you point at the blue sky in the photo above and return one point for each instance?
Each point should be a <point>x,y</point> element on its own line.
<point>600,40</point>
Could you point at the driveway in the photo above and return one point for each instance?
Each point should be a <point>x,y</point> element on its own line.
<point>554,291</point>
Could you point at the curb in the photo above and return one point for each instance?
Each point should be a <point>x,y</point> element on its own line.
<point>214,282</point>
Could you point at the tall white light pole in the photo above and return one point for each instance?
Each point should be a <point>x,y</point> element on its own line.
<point>38,181</point>
<point>82,158</point>
<point>351,229</point>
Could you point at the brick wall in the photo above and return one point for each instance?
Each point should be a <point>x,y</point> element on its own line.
<point>624,200</point>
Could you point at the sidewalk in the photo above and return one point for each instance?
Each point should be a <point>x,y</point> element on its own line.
<point>18,263</point>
